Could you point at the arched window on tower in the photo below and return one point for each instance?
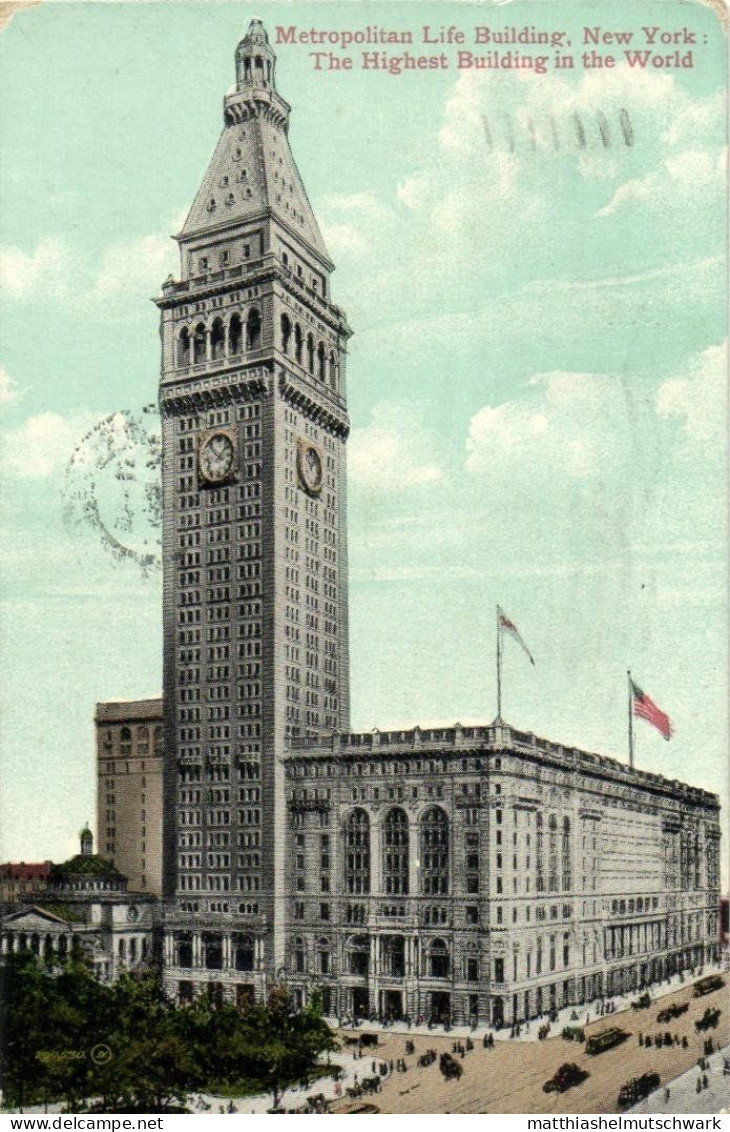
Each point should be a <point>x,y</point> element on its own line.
<point>253,330</point>
<point>199,344</point>
<point>217,339</point>
<point>357,853</point>
<point>298,342</point>
<point>395,853</point>
<point>334,372</point>
<point>285,333</point>
<point>234,335</point>
<point>435,852</point>
<point>321,363</point>
<point>183,347</point>
<point>310,353</point>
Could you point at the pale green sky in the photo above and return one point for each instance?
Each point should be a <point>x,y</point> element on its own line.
<point>536,381</point>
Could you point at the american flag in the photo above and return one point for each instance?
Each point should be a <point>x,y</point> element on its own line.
<point>506,626</point>
<point>646,709</point>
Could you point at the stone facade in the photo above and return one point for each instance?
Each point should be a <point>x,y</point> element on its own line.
<point>129,789</point>
<point>484,874</point>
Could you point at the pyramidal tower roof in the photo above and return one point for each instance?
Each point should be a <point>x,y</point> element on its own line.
<point>252,172</point>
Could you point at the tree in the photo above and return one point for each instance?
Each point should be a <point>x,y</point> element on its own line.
<point>276,1045</point>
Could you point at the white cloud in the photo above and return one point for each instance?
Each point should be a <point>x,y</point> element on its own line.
<point>43,444</point>
<point>394,452</point>
<point>576,424</point>
<point>8,388</point>
<point>136,267</point>
<point>344,220</point>
<point>699,400</point>
<point>45,269</point>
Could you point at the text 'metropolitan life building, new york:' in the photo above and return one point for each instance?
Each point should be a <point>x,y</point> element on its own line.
<point>466,874</point>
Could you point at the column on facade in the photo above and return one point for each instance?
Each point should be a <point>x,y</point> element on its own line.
<point>197,949</point>
<point>227,952</point>
<point>258,953</point>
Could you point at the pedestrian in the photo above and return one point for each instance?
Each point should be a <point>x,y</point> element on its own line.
<point>705,1082</point>
<point>666,1095</point>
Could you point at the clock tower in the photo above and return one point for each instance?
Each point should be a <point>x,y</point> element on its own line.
<point>254,424</point>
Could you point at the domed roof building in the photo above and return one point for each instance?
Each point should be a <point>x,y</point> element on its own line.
<point>85,910</point>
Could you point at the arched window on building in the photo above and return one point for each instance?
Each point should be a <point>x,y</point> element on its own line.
<point>183,347</point>
<point>435,852</point>
<point>217,339</point>
<point>234,335</point>
<point>567,879</point>
<point>310,353</point>
<point>438,959</point>
<point>253,330</point>
<point>298,956</point>
<point>358,955</point>
<point>125,738</point>
<point>199,335</point>
<point>395,853</point>
<point>323,957</point>
<point>243,955</point>
<point>540,853</point>
<point>334,372</point>
<point>357,853</point>
<point>298,342</point>
<point>212,951</point>
<point>285,333</point>
<point>321,363</point>
<point>553,854</point>
<point>143,740</point>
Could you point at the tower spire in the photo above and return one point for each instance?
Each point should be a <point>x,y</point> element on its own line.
<point>255,60</point>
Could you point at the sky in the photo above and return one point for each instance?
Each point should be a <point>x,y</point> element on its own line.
<point>536,381</point>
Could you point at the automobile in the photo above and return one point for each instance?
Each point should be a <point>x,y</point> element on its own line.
<point>638,1088</point>
<point>707,985</point>
<point>643,1002</point>
<point>672,1011</point>
<point>606,1039</point>
<point>566,1077</point>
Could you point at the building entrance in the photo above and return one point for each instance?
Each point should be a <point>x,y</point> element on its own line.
<point>441,1006</point>
<point>391,1004</point>
<point>360,1002</point>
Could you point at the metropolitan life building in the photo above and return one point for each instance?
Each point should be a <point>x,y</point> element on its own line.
<point>466,874</point>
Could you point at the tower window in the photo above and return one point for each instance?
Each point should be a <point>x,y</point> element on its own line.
<point>199,344</point>
<point>285,333</point>
<point>234,335</point>
<point>253,330</point>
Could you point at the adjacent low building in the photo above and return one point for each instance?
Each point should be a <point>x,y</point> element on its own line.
<point>19,880</point>
<point>129,752</point>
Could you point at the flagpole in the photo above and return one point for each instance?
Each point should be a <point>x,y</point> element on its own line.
<point>499,668</point>
<point>631,720</point>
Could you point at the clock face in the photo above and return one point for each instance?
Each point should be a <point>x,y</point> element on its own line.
<point>132,913</point>
<point>309,465</point>
<point>216,457</point>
